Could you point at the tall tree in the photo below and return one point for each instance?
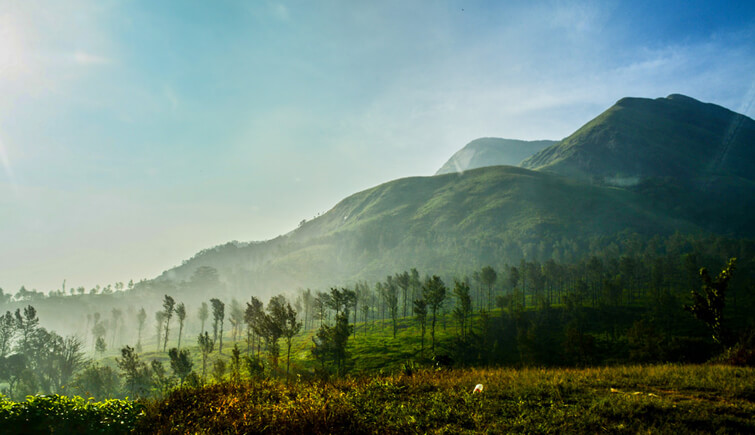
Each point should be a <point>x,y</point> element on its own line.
<point>434,292</point>
<point>206,346</point>
<point>306,298</point>
<point>218,314</point>
<point>7,332</point>
<point>420,313</point>
<point>390,296</point>
<point>708,305</point>
<point>70,359</point>
<point>141,317</point>
<point>117,316</point>
<point>514,278</point>
<point>402,281</point>
<point>236,318</point>
<point>274,323</point>
<point>415,284</point>
<point>159,320</point>
<point>181,313</point>
<point>100,346</point>
<point>253,317</point>
<point>169,305</point>
<point>488,277</point>
<point>291,327</point>
<point>26,325</point>
<point>135,372</point>
<point>180,363</point>
<point>330,343</point>
<point>464,305</point>
<point>203,314</point>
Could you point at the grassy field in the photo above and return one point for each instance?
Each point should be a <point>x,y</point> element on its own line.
<point>655,399</point>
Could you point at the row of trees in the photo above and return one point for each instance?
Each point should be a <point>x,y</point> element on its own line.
<point>25,295</point>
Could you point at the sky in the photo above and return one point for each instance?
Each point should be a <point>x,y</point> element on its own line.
<point>134,134</point>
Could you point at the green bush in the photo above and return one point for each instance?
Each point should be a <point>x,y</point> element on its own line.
<point>62,414</point>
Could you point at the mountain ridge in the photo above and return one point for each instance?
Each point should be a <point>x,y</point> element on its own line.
<point>587,186</point>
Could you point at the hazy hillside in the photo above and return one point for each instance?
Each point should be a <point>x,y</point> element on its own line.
<point>492,151</point>
<point>444,224</point>
<point>676,136</point>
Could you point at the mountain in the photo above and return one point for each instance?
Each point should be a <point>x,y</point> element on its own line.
<point>443,224</point>
<point>693,160</point>
<point>645,167</point>
<point>492,151</point>
<point>638,138</point>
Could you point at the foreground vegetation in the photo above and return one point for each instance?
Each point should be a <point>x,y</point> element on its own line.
<point>623,399</point>
<point>658,399</point>
<point>74,415</point>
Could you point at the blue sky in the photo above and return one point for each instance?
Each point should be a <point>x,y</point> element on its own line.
<point>134,134</point>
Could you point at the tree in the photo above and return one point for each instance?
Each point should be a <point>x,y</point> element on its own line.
<point>218,314</point>
<point>141,317</point>
<point>135,372</point>
<point>273,325</point>
<point>488,277</point>
<point>434,292</point>
<point>181,313</point>
<point>307,298</point>
<point>159,319</point>
<point>420,313</point>
<point>708,305</point>
<point>403,280</point>
<point>291,327</point>
<point>514,280</point>
<point>203,314</point>
<point>100,382</point>
<point>235,363</point>
<point>464,306</point>
<point>180,363</point>
<point>330,343</point>
<point>169,305</point>
<point>70,359</point>
<point>26,325</point>
<point>7,332</point>
<point>390,295</point>
<point>100,346</point>
<point>11,370</point>
<point>205,346</point>
<point>236,318</point>
<point>117,320</point>
<point>253,317</point>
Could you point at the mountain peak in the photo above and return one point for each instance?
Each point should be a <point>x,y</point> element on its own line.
<point>676,136</point>
<point>492,151</point>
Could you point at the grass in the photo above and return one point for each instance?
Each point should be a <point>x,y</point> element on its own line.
<point>657,399</point>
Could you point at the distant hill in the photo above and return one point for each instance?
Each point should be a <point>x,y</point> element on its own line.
<point>637,138</point>
<point>447,224</point>
<point>492,151</point>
